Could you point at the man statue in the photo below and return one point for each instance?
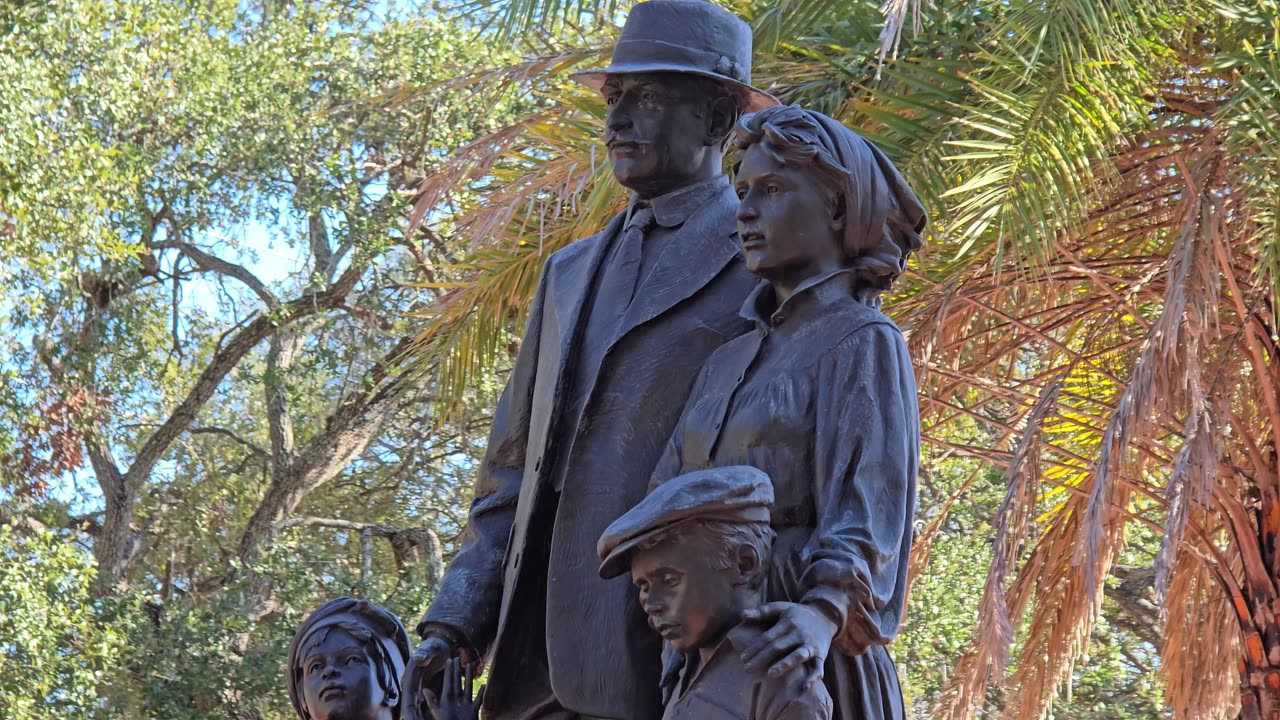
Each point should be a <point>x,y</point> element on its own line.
<point>621,323</point>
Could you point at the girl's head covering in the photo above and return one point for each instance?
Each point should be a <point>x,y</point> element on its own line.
<point>381,632</point>
<point>883,217</point>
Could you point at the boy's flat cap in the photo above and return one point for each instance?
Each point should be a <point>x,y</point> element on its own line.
<point>734,493</point>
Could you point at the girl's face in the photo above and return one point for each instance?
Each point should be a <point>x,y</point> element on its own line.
<point>339,679</point>
<point>788,229</point>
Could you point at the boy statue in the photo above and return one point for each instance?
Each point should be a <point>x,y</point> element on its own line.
<point>698,552</point>
<point>346,661</point>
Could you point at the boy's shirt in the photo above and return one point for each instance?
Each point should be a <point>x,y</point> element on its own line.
<point>724,690</point>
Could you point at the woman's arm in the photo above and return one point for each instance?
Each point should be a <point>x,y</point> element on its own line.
<point>867,450</point>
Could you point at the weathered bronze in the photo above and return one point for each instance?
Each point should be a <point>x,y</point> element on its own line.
<point>346,661</point>
<point>822,397</point>
<point>458,698</point>
<point>697,549</point>
<point>617,331</point>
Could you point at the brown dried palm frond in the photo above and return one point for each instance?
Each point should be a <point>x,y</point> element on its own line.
<point>1201,645</point>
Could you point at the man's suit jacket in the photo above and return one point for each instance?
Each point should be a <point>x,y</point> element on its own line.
<point>525,541</point>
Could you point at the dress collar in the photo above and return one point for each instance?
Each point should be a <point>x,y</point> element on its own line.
<point>809,298</point>
<point>674,208</point>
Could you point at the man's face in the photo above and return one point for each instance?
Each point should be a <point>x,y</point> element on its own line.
<point>657,130</point>
<point>689,600</point>
<point>339,681</point>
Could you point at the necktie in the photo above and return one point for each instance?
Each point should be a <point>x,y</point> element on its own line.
<point>627,268</point>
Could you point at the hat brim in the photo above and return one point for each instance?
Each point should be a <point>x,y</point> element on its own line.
<point>756,99</point>
<point>618,561</point>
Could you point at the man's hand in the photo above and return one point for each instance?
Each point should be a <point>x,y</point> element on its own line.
<point>800,636</point>
<point>457,700</point>
<point>432,654</point>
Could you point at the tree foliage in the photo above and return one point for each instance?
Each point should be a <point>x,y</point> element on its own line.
<point>207,277</point>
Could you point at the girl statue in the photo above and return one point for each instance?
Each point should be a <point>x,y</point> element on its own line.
<point>346,661</point>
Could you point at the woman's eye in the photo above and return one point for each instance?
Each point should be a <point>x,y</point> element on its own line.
<point>355,660</point>
<point>771,189</point>
<point>313,667</point>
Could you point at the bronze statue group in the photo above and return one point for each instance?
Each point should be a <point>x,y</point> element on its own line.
<point>697,496</point>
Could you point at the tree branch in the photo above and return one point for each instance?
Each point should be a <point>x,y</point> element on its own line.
<point>348,432</point>
<point>224,362</point>
<point>285,346</point>
<point>418,545</point>
<point>254,447</point>
<point>212,263</point>
<point>337,524</point>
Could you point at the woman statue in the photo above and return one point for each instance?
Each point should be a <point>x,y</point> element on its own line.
<point>822,397</point>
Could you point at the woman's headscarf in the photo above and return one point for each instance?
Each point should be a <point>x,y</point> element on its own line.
<point>388,644</point>
<point>883,216</point>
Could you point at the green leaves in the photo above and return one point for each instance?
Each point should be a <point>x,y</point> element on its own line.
<point>55,652</point>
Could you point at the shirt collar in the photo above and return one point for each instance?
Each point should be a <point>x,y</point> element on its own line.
<point>674,208</point>
<point>810,296</point>
<point>693,669</point>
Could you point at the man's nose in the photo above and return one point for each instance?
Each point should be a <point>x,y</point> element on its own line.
<point>747,210</point>
<point>619,117</point>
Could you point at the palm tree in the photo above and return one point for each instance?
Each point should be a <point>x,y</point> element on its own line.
<point>1099,292</point>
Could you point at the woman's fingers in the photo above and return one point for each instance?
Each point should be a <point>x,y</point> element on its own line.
<point>471,681</point>
<point>814,676</point>
<point>793,660</point>
<point>767,612</point>
<point>766,652</point>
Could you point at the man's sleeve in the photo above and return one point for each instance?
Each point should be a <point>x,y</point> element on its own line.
<point>467,605</point>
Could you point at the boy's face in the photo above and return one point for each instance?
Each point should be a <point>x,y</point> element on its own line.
<point>689,600</point>
<point>339,681</point>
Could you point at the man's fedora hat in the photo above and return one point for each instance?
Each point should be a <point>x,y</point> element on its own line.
<point>684,36</point>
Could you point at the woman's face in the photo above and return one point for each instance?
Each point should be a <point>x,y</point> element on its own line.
<point>786,225</point>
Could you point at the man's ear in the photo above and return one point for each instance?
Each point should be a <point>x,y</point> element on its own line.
<point>748,564</point>
<point>721,116</point>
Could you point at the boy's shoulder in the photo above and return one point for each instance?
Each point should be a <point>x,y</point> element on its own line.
<point>781,698</point>
<point>724,688</point>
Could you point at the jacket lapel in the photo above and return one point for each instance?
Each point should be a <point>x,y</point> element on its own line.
<point>701,249</point>
<point>574,282</point>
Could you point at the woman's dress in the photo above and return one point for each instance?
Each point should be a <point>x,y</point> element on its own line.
<point>822,397</point>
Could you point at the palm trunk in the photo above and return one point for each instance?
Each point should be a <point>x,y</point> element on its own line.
<point>1263,699</point>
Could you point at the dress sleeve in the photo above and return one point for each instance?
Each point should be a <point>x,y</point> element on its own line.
<point>867,450</point>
